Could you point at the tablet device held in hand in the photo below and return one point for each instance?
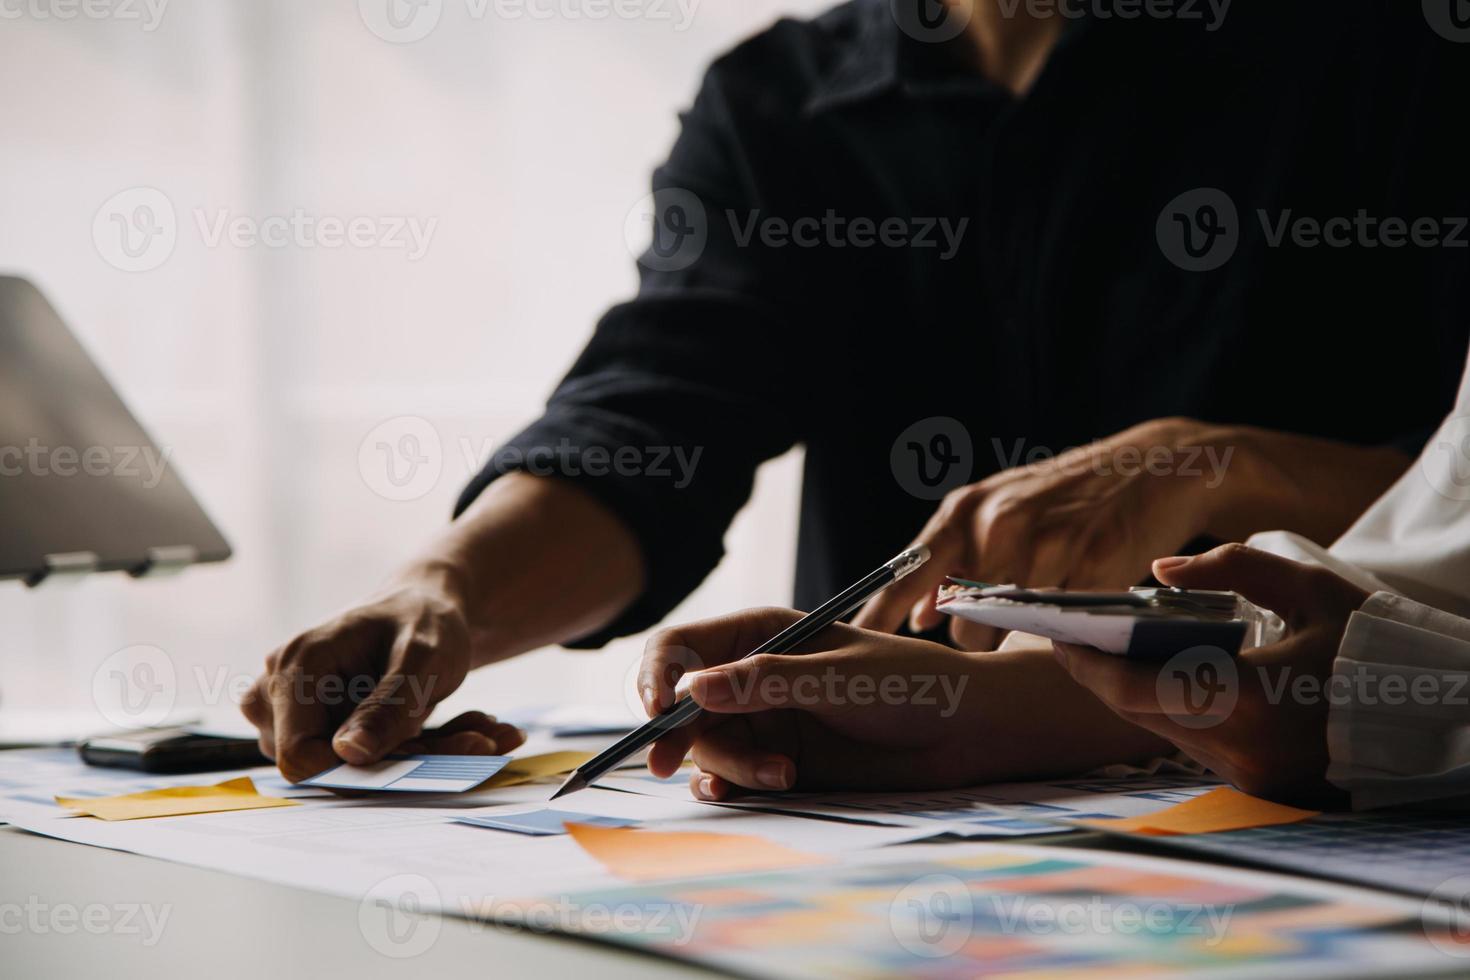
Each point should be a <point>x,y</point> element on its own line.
<point>1142,623</point>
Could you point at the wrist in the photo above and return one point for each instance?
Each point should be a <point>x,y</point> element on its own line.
<point>442,578</point>
<point>1235,492</point>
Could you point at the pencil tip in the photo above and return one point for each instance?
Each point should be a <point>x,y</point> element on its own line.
<point>574,782</point>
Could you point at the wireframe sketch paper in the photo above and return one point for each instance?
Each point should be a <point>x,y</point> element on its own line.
<point>413,774</point>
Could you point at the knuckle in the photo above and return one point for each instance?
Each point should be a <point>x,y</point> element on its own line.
<point>959,500</point>
<point>761,664</point>
<point>659,644</point>
<point>296,655</point>
<point>1232,553</point>
<point>253,705</point>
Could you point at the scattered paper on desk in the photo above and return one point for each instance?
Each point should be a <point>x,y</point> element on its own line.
<point>542,823</point>
<point>534,767</point>
<point>414,774</point>
<point>649,855</point>
<point>1218,810</point>
<point>176,801</point>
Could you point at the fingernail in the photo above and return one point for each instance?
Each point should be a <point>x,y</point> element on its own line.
<point>711,687</point>
<point>353,745</point>
<point>1164,564</point>
<point>772,775</point>
<point>706,786</point>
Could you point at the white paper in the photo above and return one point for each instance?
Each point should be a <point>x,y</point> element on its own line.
<point>1007,810</point>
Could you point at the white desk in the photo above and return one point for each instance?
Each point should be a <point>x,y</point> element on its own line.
<point>225,927</point>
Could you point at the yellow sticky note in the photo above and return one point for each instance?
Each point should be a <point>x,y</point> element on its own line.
<point>236,794</point>
<point>1220,809</point>
<point>648,855</point>
<point>533,767</point>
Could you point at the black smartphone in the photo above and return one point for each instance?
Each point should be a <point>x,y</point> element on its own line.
<point>170,750</point>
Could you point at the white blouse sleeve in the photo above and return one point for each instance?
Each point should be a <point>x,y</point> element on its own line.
<point>1398,727</point>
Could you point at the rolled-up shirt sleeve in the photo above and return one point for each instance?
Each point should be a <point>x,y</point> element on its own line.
<point>684,391</point>
<point>1398,728</point>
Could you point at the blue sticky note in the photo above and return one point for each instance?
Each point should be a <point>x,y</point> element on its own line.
<point>542,823</point>
<point>414,774</point>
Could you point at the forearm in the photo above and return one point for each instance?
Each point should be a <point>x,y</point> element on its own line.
<point>533,562</point>
<point>1280,481</point>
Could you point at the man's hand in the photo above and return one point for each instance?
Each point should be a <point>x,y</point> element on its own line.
<point>1090,518</point>
<point>1263,739</point>
<point>362,685</point>
<point>1094,517</point>
<point>858,710</point>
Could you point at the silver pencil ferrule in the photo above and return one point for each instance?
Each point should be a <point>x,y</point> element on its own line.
<point>908,561</point>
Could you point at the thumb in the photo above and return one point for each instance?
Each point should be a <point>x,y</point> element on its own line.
<point>1267,580</point>
<point>392,714</point>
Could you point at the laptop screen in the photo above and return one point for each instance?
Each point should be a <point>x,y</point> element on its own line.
<point>81,483</point>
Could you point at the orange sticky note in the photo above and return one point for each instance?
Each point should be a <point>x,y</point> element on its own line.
<point>648,855</point>
<point>175,801</point>
<point>1219,809</point>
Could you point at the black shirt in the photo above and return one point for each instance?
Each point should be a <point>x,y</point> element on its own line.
<point>865,248</point>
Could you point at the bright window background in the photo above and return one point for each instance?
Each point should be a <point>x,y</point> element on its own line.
<point>526,139</point>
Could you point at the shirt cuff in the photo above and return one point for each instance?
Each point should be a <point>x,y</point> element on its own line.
<point>1398,726</point>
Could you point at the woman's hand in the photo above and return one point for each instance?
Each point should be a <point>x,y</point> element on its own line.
<point>1259,720</point>
<point>1095,517</point>
<point>858,710</point>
